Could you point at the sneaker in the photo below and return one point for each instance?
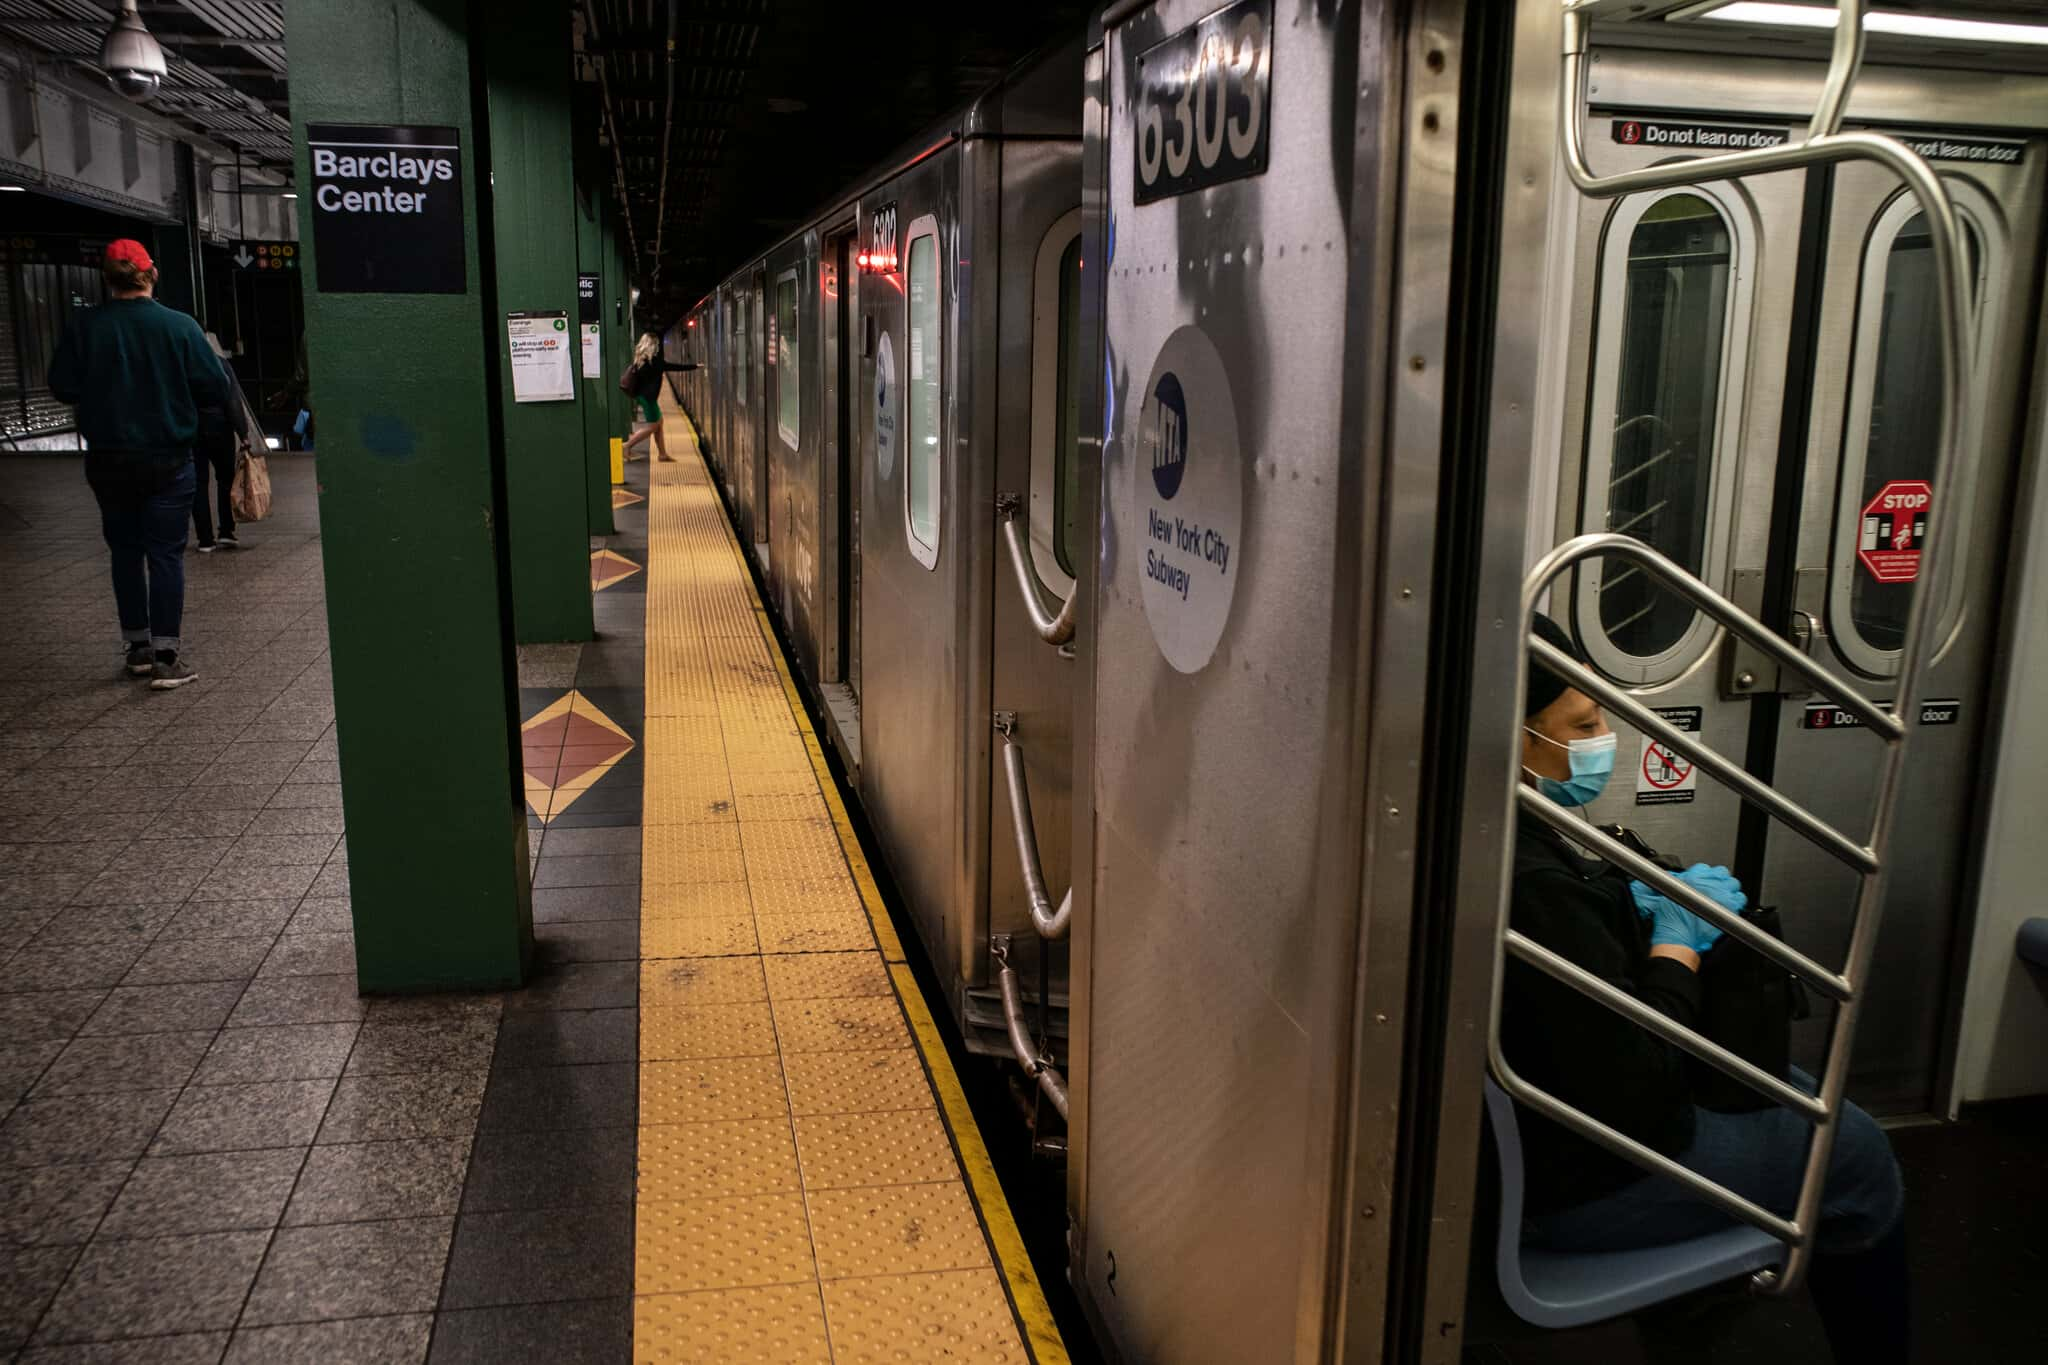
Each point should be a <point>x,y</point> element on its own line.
<point>229,541</point>
<point>206,547</point>
<point>141,659</point>
<point>171,671</point>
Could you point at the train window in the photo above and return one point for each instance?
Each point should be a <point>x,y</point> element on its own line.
<point>1667,364</point>
<point>1056,386</point>
<point>736,345</point>
<point>923,484</point>
<point>1894,424</point>
<point>1068,517</point>
<point>746,350</point>
<point>788,391</point>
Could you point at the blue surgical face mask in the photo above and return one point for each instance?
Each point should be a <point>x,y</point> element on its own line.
<point>1592,763</point>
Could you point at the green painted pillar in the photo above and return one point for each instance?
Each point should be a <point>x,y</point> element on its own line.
<point>592,186</point>
<point>529,70</point>
<point>412,506</point>
<point>618,284</point>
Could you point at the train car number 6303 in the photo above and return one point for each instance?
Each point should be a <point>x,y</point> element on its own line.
<point>1202,112</point>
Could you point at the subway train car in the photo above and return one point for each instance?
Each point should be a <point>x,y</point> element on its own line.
<point>1213,406</point>
<point>873,384</point>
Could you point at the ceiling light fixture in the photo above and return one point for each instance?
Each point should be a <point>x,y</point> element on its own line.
<point>132,60</point>
<point>1891,22</point>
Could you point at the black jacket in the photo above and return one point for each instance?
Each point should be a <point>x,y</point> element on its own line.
<point>1577,1049</point>
<point>649,382</point>
<point>220,418</point>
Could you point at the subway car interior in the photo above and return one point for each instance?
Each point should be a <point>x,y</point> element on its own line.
<point>1154,471</point>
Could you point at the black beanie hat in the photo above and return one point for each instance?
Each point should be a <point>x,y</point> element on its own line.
<point>1545,686</point>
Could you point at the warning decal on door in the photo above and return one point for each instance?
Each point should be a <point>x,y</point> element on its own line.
<point>1683,132</point>
<point>1894,530</point>
<point>1664,778</point>
<point>1823,715</point>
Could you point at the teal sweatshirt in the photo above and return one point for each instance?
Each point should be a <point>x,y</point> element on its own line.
<point>138,373</point>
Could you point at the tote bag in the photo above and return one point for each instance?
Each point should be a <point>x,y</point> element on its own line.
<point>250,495</point>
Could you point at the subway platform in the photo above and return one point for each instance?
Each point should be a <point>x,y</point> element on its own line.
<point>718,1124</point>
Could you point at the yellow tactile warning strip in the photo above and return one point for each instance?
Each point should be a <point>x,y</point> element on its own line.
<point>812,1187</point>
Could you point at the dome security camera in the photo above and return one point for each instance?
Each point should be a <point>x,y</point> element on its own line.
<point>132,60</point>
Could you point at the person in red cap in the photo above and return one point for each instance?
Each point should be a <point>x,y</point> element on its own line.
<point>138,374</point>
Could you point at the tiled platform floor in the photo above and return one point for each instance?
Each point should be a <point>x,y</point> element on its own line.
<point>210,1147</point>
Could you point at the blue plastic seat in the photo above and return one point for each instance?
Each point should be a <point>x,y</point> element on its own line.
<point>2033,944</point>
<point>1559,1289</point>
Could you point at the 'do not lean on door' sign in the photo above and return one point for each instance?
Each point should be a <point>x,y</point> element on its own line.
<point>387,208</point>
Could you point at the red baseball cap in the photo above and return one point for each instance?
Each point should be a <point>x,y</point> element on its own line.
<point>131,251</point>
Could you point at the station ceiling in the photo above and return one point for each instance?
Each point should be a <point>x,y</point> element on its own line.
<point>768,106</point>
<point>777,104</point>
<point>226,58</point>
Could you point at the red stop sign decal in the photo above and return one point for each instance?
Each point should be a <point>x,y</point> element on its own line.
<point>1894,530</point>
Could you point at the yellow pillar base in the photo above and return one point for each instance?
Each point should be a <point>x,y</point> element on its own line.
<point>618,460</point>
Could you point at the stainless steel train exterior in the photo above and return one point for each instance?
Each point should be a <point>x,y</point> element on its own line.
<point>1348,351</point>
<point>870,385</point>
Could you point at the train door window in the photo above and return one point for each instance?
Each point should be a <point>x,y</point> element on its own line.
<point>1056,403</point>
<point>788,392</point>
<point>1663,421</point>
<point>1893,431</point>
<point>743,358</point>
<point>923,484</point>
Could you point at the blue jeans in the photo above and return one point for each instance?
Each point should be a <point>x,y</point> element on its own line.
<point>1760,1156</point>
<point>144,505</point>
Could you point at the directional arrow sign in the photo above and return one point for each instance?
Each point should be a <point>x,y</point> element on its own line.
<point>264,255</point>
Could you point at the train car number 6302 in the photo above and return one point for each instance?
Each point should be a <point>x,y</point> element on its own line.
<point>1202,112</point>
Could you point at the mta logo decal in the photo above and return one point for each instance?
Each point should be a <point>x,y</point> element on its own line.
<point>1170,447</point>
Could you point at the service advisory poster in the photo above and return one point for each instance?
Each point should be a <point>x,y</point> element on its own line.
<point>541,371</point>
<point>588,310</point>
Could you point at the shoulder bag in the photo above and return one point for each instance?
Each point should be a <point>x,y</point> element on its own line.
<point>1748,1006</point>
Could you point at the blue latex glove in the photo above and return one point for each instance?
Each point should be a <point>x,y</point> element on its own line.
<point>1672,923</point>
<point>1717,883</point>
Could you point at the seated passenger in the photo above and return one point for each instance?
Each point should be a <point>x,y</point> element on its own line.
<point>1580,1198</point>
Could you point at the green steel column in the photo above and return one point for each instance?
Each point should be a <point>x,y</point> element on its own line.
<point>412,500</point>
<point>593,184</point>
<point>528,65</point>
<point>618,282</point>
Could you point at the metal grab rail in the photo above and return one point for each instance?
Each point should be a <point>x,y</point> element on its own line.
<point>1664,884</point>
<point>1822,144</point>
<point>1038,1067</point>
<point>1053,627</point>
<point>1050,923</point>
